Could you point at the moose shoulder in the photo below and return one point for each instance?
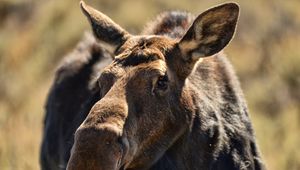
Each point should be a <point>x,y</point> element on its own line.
<point>168,100</point>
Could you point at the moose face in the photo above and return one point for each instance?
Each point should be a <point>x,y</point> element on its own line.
<point>146,103</point>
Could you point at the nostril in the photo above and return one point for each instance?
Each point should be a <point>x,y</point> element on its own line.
<point>120,140</point>
<point>123,142</point>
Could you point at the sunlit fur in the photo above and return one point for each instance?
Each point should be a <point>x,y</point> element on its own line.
<point>200,121</point>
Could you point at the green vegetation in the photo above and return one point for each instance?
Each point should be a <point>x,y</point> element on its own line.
<point>35,35</point>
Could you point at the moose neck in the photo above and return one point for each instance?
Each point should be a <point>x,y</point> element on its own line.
<point>181,155</point>
<point>204,147</point>
<point>216,138</point>
<point>195,147</point>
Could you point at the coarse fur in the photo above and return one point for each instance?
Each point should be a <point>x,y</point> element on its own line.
<point>73,93</point>
<point>168,100</point>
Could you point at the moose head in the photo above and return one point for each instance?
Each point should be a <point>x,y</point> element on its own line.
<point>147,99</point>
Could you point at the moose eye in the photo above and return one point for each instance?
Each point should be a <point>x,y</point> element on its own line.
<point>162,83</point>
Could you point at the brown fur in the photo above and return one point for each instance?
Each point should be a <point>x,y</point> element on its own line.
<point>71,96</point>
<point>163,105</point>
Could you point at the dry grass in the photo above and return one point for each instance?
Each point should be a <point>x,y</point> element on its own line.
<point>34,35</point>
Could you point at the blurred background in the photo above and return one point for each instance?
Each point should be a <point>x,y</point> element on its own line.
<point>36,34</point>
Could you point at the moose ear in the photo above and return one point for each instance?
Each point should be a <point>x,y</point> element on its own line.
<point>211,31</point>
<point>105,30</point>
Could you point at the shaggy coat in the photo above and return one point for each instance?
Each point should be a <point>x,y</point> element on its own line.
<point>167,99</point>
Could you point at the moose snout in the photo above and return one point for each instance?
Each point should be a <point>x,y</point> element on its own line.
<point>97,149</point>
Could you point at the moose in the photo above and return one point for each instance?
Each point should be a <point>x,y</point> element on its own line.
<point>167,99</point>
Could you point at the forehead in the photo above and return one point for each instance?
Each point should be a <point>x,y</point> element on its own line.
<point>143,49</point>
<point>142,53</point>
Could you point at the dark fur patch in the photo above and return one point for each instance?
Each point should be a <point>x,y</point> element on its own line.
<point>138,55</point>
<point>69,101</point>
<point>136,59</point>
<point>172,24</point>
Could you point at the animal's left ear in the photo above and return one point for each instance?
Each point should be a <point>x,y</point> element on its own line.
<point>211,32</point>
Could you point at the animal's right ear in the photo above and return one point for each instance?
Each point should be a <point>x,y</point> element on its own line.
<point>105,30</point>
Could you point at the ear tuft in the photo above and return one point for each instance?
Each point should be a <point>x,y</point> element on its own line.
<point>211,31</point>
<point>105,30</point>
